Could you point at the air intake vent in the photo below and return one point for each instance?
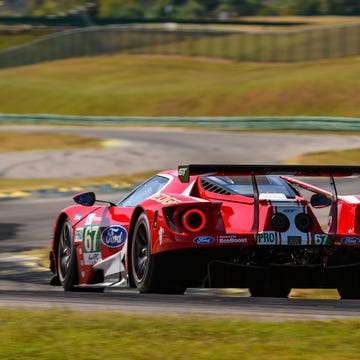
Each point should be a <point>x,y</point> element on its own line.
<point>210,186</point>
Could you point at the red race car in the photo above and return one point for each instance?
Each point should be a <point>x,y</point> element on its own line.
<point>262,227</point>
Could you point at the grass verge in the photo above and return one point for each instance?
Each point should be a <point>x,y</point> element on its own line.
<point>63,334</point>
<point>345,157</point>
<point>76,184</point>
<point>17,141</point>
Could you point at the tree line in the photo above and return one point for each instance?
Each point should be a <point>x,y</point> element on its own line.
<point>192,9</point>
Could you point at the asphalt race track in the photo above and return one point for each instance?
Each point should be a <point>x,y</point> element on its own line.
<point>26,223</point>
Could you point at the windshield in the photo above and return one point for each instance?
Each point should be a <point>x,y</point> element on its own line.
<point>143,191</point>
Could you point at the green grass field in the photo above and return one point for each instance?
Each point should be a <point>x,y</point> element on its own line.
<point>63,334</point>
<point>161,86</point>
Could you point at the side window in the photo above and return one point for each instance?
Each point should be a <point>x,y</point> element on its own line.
<point>143,191</point>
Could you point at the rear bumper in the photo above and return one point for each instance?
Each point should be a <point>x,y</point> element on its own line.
<point>227,275</point>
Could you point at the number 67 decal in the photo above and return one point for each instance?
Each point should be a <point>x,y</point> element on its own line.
<point>91,236</point>
<point>321,239</point>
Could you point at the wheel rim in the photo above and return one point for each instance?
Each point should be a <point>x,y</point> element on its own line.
<point>141,252</point>
<point>65,251</point>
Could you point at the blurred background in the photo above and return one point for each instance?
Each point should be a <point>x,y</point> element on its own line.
<point>294,62</point>
<point>245,30</point>
<point>239,58</point>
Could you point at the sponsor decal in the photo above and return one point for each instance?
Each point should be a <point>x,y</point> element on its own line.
<point>79,233</point>
<point>231,239</point>
<point>114,236</point>
<point>350,240</point>
<point>289,211</point>
<point>165,199</point>
<point>203,240</point>
<point>183,174</point>
<point>266,238</point>
<point>77,217</point>
<point>182,171</point>
<point>91,218</point>
<point>92,258</point>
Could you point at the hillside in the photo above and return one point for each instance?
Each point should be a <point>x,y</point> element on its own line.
<point>174,86</point>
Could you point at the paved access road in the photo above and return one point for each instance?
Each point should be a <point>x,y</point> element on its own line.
<point>145,149</point>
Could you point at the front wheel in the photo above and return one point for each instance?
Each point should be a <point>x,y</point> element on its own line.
<point>66,258</point>
<point>151,273</point>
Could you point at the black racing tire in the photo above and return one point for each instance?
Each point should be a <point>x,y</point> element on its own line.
<point>66,258</point>
<point>280,292</point>
<point>151,273</point>
<point>349,292</point>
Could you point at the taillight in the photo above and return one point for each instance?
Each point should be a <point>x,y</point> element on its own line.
<point>193,220</point>
<point>304,222</point>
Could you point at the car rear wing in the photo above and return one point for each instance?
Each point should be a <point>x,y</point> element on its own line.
<point>331,171</point>
<point>185,171</point>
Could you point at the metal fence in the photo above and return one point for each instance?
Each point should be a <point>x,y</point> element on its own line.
<point>258,46</point>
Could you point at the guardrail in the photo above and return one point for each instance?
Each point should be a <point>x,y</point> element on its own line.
<point>239,45</point>
<point>308,123</point>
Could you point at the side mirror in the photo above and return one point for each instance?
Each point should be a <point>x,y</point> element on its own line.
<point>319,201</point>
<point>86,198</point>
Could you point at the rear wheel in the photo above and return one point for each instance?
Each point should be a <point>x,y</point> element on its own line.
<point>349,292</point>
<point>151,273</point>
<point>66,258</point>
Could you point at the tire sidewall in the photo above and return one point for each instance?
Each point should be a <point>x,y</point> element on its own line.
<point>143,283</point>
<point>70,279</point>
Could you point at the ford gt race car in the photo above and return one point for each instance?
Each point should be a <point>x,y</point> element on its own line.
<point>261,227</point>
